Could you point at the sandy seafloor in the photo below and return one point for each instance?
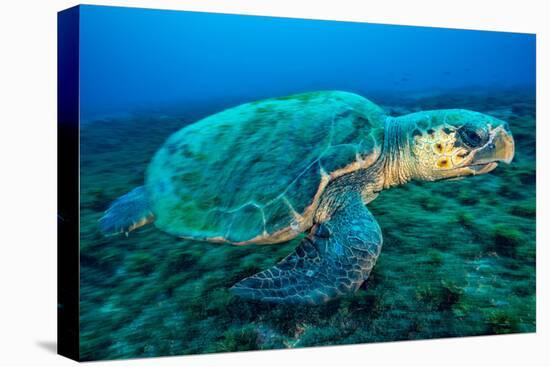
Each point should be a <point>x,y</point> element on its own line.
<point>458,257</point>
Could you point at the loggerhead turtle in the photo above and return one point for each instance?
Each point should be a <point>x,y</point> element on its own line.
<point>267,171</point>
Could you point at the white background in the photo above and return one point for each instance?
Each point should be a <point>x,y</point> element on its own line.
<point>28,183</point>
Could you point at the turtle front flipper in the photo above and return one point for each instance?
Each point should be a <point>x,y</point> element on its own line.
<point>334,259</point>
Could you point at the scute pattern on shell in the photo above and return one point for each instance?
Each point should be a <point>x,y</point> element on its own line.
<point>254,169</point>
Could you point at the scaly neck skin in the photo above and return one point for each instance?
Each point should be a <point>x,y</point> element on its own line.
<point>395,166</point>
<point>399,167</point>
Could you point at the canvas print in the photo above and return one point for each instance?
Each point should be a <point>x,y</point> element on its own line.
<point>252,183</point>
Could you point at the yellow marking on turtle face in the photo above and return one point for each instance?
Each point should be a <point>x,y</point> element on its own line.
<point>441,141</point>
<point>444,162</point>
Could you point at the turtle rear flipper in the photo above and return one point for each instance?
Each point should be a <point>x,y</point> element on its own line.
<point>335,259</point>
<point>127,213</point>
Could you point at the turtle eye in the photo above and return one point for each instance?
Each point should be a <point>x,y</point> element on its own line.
<point>471,136</point>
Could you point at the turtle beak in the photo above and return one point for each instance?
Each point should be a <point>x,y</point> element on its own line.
<point>499,148</point>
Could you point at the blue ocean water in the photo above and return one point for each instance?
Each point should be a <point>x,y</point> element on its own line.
<point>139,58</point>
<point>458,257</point>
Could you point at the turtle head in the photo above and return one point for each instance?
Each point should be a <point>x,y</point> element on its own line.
<point>447,144</point>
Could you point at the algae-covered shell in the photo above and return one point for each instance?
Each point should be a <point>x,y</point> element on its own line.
<point>254,173</point>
